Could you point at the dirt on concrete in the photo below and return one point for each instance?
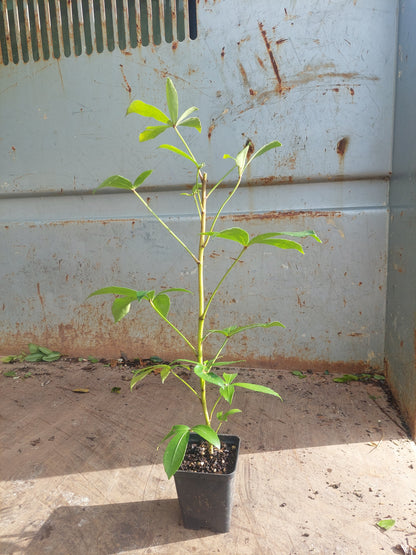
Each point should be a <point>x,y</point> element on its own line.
<point>80,472</point>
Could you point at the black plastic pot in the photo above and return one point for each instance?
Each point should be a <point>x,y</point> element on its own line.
<point>205,499</point>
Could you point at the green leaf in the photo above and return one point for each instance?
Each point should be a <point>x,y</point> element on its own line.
<point>378,377</point>
<point>92,359</point>
<point>162,304</point>
<point>52,357</point>
<point>116,390</point>
<point>145,294</point>
<point>34,357</point>
<point>140,376</point>
<point>147,111</point>
<point>386,524</point>
<point>152,132</point>
<point>228,378</point>
<point>172,100</point>
<point>233,234</point>
<point>121,307</point>
<point>265,239</point>
<point>139,180</point>
<point>164,373</point>
<point>227,392</point>
<point>240,159</point>
<point>175,451</point>
<point>8,359</point>
<point>263,149</point>
<point>186,114</point>
<point>117,182</point>
<point>347,378</point>
<point>258,388</point>
<point>223,416</point>
<point>200,371</point>
<point>180,152</point>
<point>177,289</point>
<point>192,122</point>
<point>10,374</point>
<point>307,233</point>
<point>33,348</point>
<point>115,291</point>
<point>299,374</point>
<point>232,330</point>
<point>175,429</point>
<point>45,350</point>
<point>228,156</point>
<point>207,433</point>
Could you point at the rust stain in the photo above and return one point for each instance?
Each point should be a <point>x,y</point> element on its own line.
<point>280,41</point>
<point>40,296</point>
<point>243,75</point>
<point>260,61</point>
<point>223,52</point>
<point>279,87</point>
<point>211,129</point>
<point>286,214</point>
<point>174,45</point>
<point>352,92</point>
<point>251,149</point>
<point>272,179</point>
<point>127,53</point>
<point>252,92</point>
<point>335,89</point>
<point>342,146</point>
<point>126,83</point>
<point>292,161</point>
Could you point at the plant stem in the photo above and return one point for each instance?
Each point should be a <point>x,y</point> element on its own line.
<point>222,279</point>
<point>165,225</point>
<point>174,327</point>
<point>186,383</point>
<point>215,404</point>
<point>201,175</point>
<point>220,181</point>
<point>225,202</point>
<point>201,295</point>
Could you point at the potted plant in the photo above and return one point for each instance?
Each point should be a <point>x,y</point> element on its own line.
<point>196,452</point>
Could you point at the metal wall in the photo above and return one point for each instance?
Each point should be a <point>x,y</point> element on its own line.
<point>401,292</point>
<point>317,76</point>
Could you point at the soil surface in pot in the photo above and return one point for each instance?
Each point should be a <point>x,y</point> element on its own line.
<point>199,459</point>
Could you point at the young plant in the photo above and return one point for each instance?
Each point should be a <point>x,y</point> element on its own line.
<point>160,301</point>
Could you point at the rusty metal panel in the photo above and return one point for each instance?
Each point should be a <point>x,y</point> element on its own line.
<point>331,300</point>
<point>401,293</point>
<point>319,79</point>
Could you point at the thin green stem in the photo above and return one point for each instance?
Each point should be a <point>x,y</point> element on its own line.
<point>190,152</point>
<point>225,202</point>
<point>201,295</point>
<point>222,279</point>
<point>173,327</point>
<point>214,407</point>
<point>186,383</point>
<point>220,181</point>
<point>165,225</point>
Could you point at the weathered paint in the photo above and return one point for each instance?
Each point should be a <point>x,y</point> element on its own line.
<point>401,292</point>
<point>321,81</point>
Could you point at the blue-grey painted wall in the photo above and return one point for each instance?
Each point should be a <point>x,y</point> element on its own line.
<point>401,292</point>
<point>319,77</point>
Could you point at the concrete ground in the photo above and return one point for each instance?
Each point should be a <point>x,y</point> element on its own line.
<point>80,473</point>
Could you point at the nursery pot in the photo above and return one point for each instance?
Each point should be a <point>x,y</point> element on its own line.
<point>205,499</point>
